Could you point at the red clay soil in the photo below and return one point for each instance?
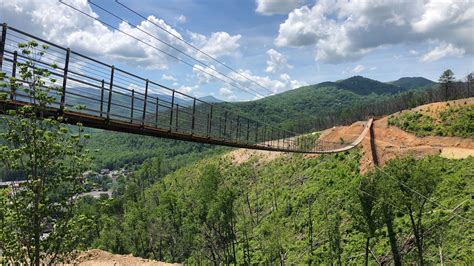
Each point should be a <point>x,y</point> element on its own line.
<point>391,141</point>
<point>104,258</point>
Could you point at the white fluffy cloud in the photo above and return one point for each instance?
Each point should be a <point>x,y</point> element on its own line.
<point>276,62</point>
<point>347,30</point>
<point>207,75</point>
<point>274,85</point>
<point>187,89</point>
<point>270,7</point>
<point>217,45</point>
<point>442,51</point>
<point>243,79</point>
<point>227,94</point>
<point>60,24</point>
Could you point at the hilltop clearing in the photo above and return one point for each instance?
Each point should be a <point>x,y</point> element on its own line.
<point>391,141</point>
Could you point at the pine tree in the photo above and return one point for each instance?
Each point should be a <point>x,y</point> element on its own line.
<point>470,84</point>
<point>446,81</point>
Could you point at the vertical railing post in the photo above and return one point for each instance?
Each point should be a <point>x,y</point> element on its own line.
<point>194,113</point>
<point>230,129</point>
<point>144,103</point>
<point>220,126</point>
<point>132,107</point>
<point>248,130</point>
<point>278,139</point>
<point>2,44</point>
<point>265,135</point>
<point>111,85</point>
<point>237,134</point>
<point>225,123</point>
<point>210,123</point>
<point>102,97</point>
<point>271,137</point>
<point>171,110</point>
<point>156,111</point>
<point>177,117</point>
<point>63,94</point>
<point>12,90</point>
<point>256,133</point>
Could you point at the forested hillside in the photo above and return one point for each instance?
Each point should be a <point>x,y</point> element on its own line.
<point>304,109</point>
<point>412,82</point>
<point>189,133</point>
<point>113,150</point>
<point>183,202</point>
<point>327,104</point>
<point>308,108</point>
<point>291,210</point>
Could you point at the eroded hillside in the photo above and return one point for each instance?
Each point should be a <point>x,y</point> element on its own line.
<point>388,141</point>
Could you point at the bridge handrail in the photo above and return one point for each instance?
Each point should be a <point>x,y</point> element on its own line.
<point>143,105</point>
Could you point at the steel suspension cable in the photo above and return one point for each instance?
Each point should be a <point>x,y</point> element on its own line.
<point>170,46</point>
<point>170,55</point>
<point>194,47</point>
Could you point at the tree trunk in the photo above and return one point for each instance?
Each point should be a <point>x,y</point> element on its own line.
<point>397,260</point>
<point>419,244</point>
<point>367,251</point>
<point>37,234</point>
<point>441,261</point>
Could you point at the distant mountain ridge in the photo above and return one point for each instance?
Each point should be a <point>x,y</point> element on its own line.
<point>210,99</point>
<point>364,86</point>
<point>412,82</point>
<point>327,101</point>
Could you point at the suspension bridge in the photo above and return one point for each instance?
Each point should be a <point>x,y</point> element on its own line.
<point>115,99</point>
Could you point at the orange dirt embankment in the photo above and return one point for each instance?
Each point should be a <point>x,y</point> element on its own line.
<point>390,141</point>
<point>103,258</point>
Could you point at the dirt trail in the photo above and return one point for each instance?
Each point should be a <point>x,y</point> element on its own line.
<point>103,258</point>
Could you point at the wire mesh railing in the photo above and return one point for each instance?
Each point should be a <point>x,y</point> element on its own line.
<point>113,95</point>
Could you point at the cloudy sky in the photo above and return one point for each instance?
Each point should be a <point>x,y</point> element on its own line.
<point>279,44</point>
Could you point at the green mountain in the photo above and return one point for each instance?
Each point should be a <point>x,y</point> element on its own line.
<point>365,86</point>
<point>307,108</point>
<point>326,104</point>
<point>412,82</point>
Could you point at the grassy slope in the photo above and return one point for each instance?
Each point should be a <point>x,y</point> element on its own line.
<point>454,121</point>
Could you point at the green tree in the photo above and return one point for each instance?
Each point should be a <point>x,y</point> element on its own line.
<point>39,225</point>
<point>215,212</point>
<point>470,84</point>
<point>446,81</point>
<point>148,173</point>
<point>416,182</point>
<point>365,211</point>
<point>387,202</point>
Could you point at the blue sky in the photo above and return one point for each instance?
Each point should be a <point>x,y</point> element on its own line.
<point>280,44</point>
